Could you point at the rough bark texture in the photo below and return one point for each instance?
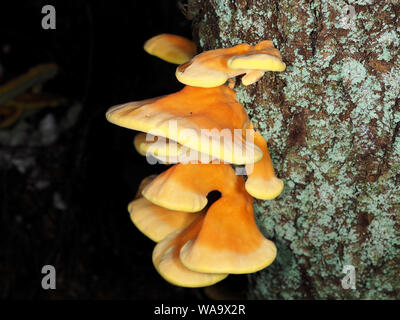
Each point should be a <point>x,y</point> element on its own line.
<point>332,122</point>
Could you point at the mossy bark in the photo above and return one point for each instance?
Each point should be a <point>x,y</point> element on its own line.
<point>332,123</point>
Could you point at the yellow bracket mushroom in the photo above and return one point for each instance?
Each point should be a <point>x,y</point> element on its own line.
<point>213,68</point>
<point>172,229</point>
<point>261,183</point>
<point>154,221</point>
<point>171,48</point>
<point>157,222</point>
<point>208,120</point>
<point>228,240</point>
<point>163,149</point>
<point>167,262</point>
<point>200,244</point>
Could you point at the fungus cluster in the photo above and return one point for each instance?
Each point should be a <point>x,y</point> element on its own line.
<point>203,130</point>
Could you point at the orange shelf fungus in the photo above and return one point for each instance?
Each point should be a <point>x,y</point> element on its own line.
<point>171,48</point>
<point>157,222</point>
<point>167,151</point>
<point>262,182</point>
<point>213,68</point>
<point>184,187</point>
<point>200,243</point>
<point>153,221</point>
<point>161,148</point>
<point>171,229</point>
<point>207,120</point>
<point>228,240</point>
<point>168,264</point>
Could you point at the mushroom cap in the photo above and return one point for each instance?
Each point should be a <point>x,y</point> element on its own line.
<point>229,240</point>
<point>159,147</point>
<point>171,48</point>
<point>143,184</point>
<point>157,222</point>
<point>167,150</point>
<point>154,221</point>
<point>259,61</point>
<point>167,263</point>
<point>251,77</point>
<point>264,189</point>
<point>262,182</point>
<point>263,56</point>
<point>214,67</point>
<point>184,187</point>
<point>208,120</point>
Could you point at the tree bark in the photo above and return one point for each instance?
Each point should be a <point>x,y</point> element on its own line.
<point>332,124</point>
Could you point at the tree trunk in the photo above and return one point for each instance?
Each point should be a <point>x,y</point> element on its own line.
<point>332,124</point>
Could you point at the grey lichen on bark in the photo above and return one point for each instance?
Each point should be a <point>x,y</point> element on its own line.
<point>332,123</point>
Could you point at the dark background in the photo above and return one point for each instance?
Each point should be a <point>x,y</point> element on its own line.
<point>95,248</point>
